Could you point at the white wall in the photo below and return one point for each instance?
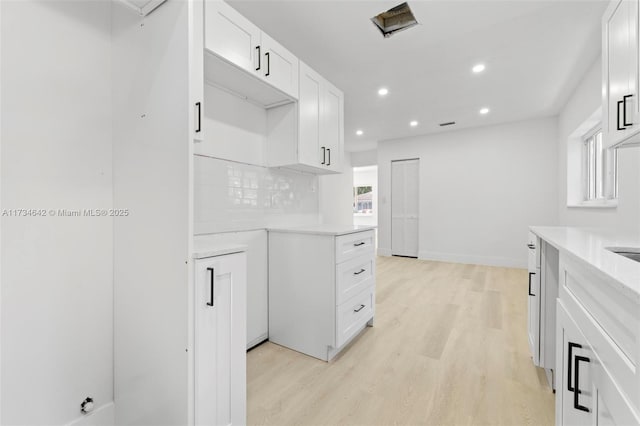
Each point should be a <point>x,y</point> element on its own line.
<point>480,189</point>
<point>364,158</point>
<point>367,176</point>
<point>336,195</point>
<point>56,276</point>
<point>586,99</point>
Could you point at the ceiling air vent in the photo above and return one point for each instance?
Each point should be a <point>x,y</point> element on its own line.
<point>396,19</point>
<point>448,123</point>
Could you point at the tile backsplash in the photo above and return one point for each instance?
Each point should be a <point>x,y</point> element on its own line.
<point>232,196</point>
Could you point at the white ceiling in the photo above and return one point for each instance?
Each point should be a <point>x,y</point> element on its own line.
<point>535,53</point>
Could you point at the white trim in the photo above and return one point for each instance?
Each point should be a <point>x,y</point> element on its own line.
<point>102,416</point>
<point>595,204</point>
<point>473,259</point>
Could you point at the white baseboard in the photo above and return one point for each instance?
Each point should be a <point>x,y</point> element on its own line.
<point>101,416</point>
<point>473,259</point>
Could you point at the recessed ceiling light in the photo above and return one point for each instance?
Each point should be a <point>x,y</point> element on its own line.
<point>359,132</point>
<point>478,68</point>
<point>413,123</point>
<point>383,91</point>
<point>484,111</point>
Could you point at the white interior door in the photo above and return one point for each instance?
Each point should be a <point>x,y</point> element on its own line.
<point>404,207</point>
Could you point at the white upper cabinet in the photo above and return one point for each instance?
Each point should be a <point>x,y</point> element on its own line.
<point>332,126</point>
<point>620,107</point>
<point>232,36</point>
<point>310,104</point>
<point>278,66</point>
<point>277,111</point>
<point>318,144</point>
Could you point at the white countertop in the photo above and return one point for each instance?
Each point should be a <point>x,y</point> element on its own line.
<point>203,249</point>
<point>589,245</point>
<point>325,229</point>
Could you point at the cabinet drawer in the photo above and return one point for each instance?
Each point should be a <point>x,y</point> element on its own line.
<point>354,245</point>
<point>353,314</point>
<point>353,276</point>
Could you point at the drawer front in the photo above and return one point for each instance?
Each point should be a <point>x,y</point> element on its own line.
<point>608,320</point>
<point>354,276</point>
<point>353,314</point>
<point>354,245</point>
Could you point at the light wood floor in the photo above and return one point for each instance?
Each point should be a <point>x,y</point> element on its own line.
<point>448,346</point>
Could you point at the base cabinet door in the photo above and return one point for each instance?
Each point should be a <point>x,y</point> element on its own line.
<point>219,341</point>
<point>533,319</point>
<point>575,362</point>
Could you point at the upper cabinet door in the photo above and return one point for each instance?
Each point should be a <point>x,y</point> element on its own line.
<point>232,36</point>
<point>310,100</point>
<point>620,71</point>
<point>279,66</point>
<point>332,126</point>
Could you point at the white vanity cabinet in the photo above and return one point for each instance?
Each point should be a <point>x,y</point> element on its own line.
<point>220,340</point>
<point>321,287</point>
<point>620,61</point>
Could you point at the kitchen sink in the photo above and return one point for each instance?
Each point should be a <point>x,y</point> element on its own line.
<point>632,253</point>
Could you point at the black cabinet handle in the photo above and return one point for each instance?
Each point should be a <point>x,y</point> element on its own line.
<point>571,345</point>
<point>576,394</point>
<point>531,246</point>
<point>359,272</point>
<point>268,64</point>
<point>359,309</point>
<point>361,243</point>
<point>618,116</point>
<point>624,110</point>
<point>530,274</point>
<point>199,106</point>
<point>324,155</point>
<point>329,151</point>
<point>213,273</point>
<point>259,58</point>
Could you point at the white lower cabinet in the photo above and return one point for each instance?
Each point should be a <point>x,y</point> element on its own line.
<point>597,350</point>
<point>575,361</point>
<point>220,340</point>
<point>321,289</point>
<point>542,294</point>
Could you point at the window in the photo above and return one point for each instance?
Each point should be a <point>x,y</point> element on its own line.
<point>599,168</point>
<point>362,199</point>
